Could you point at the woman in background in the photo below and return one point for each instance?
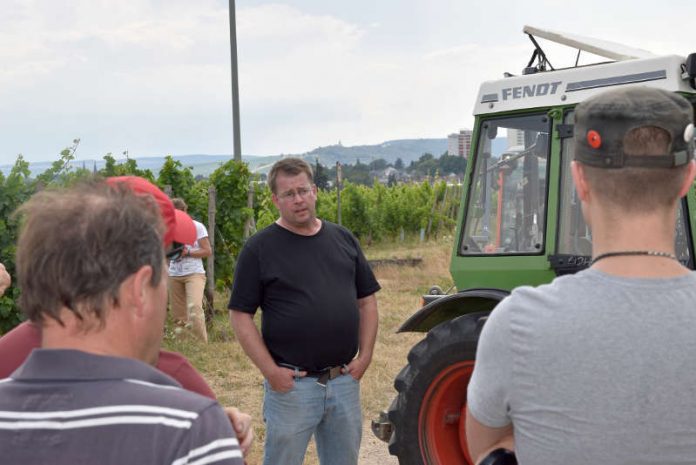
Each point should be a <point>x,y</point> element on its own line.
<point>187,280</point>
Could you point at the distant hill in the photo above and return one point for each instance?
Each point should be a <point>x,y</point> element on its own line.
<point>204,165</point>
<point>406,149</point>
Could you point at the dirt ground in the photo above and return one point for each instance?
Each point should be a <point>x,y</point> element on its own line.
<point>373,451</point>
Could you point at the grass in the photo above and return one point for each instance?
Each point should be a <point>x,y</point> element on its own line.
<point>236,381</point>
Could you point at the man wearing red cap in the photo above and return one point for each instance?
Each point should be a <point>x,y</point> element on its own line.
<point>90,262</point>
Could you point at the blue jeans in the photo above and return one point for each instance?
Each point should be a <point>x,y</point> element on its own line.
<point>331,413</point>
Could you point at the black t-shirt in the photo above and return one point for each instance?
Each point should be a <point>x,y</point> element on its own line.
<point>307,288</point>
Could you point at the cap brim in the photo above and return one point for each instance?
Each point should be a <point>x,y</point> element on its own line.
<point>179,230</point>
<point>184,230</point>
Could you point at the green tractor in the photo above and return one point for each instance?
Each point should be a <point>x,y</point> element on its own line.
<point>520,224</point>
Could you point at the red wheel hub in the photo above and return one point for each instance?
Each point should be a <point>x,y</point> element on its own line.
<point>441,419</point>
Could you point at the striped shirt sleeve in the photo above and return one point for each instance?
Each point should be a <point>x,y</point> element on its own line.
<point>212,441</point>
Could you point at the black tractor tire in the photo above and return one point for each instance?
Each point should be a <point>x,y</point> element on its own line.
<point>428,413</point>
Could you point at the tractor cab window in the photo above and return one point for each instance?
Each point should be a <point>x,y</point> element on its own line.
<point>574,236</point>
<point>506,205</point>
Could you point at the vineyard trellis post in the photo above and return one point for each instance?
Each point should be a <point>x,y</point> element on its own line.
<point>250,225</point>
<point>432,213</point>
<point>210,265</point>
<point>338,192</point>
<point>443,207</point>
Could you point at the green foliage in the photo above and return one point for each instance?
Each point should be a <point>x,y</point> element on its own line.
<point>327,205</point>
<point>15,189</point>
<point>381,212</point>
<point>265,211</point>
<point>231,182</point>
<point>128,168</point>
<point>427,165</point>
<point>176,176</point>
<point>452,164</point>
<point>379,164</point>
<point>354,210</point>
<point>372,212</point>
<point>321,176</point>
<point>182,184</point>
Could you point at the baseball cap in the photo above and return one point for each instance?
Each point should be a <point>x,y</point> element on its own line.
<point>179,226</point>
<point>603,121</point>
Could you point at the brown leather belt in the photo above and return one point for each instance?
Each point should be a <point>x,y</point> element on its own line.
<point>326,375</point>
<point>323,376</point>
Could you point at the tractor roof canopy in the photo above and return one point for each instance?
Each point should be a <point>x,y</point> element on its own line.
<point>542,86</point>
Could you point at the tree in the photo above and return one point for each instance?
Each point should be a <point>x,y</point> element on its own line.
<point>15,189</point>
<point>452,164</point>
<point>426,165</point>
<point>321,177</point>
<point>127,168</point>
<point>399,164</point>
<point>175,175</point>
<point>357,174</point>
<point>378,165</point>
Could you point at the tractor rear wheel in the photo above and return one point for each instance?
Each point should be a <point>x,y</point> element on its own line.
<point>429,411</point>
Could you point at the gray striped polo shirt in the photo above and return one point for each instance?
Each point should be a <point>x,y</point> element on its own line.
<point>71,407</point>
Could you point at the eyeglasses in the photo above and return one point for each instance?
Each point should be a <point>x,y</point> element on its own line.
<point>302,192</point>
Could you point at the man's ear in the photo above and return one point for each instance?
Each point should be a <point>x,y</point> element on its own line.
<point>581,187</point>
<point>138,287</point>
<point>688,179</point>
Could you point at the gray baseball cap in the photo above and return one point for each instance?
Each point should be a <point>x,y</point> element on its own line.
<point>602,122</point>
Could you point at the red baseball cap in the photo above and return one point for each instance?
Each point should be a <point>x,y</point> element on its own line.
<point>180,227</point>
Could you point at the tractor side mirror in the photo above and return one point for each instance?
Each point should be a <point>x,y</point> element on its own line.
<point>541,145</point>
<point>492,131</point>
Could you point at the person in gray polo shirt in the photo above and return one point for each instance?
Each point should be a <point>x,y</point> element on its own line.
<point>598,367</point>
<point>91,266</point>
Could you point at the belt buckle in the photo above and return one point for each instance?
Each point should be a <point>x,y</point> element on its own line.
<point>329,374</point>
<point>324,378</point>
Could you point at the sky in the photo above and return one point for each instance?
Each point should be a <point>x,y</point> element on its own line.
<point>152,77</point>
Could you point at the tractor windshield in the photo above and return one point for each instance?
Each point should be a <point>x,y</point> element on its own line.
<point>506,207</point>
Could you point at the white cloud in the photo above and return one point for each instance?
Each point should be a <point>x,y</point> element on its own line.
<point>153,76</point>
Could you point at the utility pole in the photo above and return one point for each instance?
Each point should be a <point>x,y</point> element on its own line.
<point>339,181</point>
<point>235,84</point>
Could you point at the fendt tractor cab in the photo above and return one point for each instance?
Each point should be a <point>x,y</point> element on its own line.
<point>519,224</point>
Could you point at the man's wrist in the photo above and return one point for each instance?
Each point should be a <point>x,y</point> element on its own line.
<point>269,372</point>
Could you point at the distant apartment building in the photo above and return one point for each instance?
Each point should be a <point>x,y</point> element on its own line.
<point>459,143</point>
<point>515,138</point>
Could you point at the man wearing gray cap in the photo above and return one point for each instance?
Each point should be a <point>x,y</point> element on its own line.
<point>600,367</point>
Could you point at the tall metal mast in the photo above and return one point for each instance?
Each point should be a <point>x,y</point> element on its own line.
<point>235,84</point>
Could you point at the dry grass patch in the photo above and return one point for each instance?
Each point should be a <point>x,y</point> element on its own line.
<point>236,381</point>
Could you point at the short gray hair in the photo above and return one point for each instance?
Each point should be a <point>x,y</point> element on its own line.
<point>77,246</point>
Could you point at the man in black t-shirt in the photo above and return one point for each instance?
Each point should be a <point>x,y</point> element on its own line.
<point>317,294</point>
